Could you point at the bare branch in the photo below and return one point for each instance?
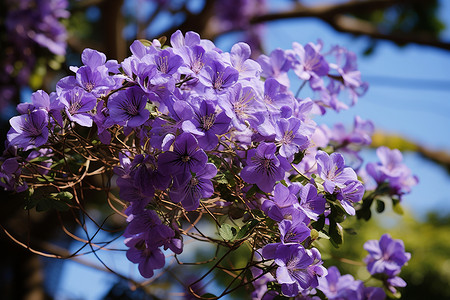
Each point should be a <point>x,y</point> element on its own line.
<point>326,11</point>
<point>336,15</point>
<point>360,27</point>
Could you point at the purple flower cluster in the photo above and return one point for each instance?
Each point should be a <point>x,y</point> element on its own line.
<point>30,25</point>
<point>337,287</point>
<point>190,126</point>
<point>146,234</point>
<point>386,258</point>
<point>298,269</point>
<point>349,143</point>
<point>392,170</point>
<point>339,180</point>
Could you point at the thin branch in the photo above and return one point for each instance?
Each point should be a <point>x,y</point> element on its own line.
<point>325,11</point>
<point>336,15</point>
<point>360,27</point>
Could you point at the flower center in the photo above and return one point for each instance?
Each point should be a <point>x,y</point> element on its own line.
<point>197,64</point>
<point>208,121</point>
<point>163,64</point>
<point>89,86</point>
<point>132,110</point>
<point>268,99</point>
<point>218,82</point>
<point>75,105</point>
<point>288,137</point>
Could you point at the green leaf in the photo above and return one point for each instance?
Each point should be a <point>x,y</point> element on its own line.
<point>391,295</point>
<point>246,229</point>
<point>162,40</point>
<point>45,179</point>
<point>380,206</point>
<point>323,235</point>
<point>46,202</point>
<point>227,232</point>
<point>31,202</point>
<point>145,42</point>
<point>64,196</point>
<point>318,225</point>
<point>221,178</point>
<point>336,234</point>
<point>298,157</point>
<point>39,159</point>
<point>398,209</point>
<point>215,160</point>
<point>251,191</point>
<point>337,213</point>
<point>350,231</point>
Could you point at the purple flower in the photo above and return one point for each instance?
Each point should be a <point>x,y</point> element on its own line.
<point>283,205</point>
<point>93,58</point>
<point>337,287</point>
<point>291,135</point>
<point>180,111</point>
<point>207,125</point>
<point>352,192</point>
<point>147,177</point>
<point>148,258</point>
<point>293,231</point>
<point>361,133</point>
<point>190,189</point>
<point>178,41</point>
<point>78,104</point>
<point>41,100</point>
<point>264,167</point>
<point>100,119</point>
<point>127,107</point>
<point>186,157</point>
<point>260,284</point>
<point>166,62</point>
<point>276,65</point>
<point>194,59</point>
<point>142,224</point>
<point>393,282</point>
<point>373,293</point>
<point>392,170</point>
<point>130,191</point>
<point>10,172</point>
<point>298,269</point>
<point>29,130</point>
<point>348,69</point>
<point>241,105</point>
<point>332,170</point>
<point>311,64</point>
<point>240,59</point>
<point>329,97</point>
<point>274,99</point>
<point>386,256</point>
<point>216,75</point>
<point>311,203</point>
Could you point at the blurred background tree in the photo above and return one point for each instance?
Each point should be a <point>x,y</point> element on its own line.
<point>41,39</point>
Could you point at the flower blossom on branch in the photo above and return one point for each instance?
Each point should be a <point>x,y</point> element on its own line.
<point>186,132</point>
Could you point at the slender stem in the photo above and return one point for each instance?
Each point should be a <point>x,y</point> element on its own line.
<point>300,88</point>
